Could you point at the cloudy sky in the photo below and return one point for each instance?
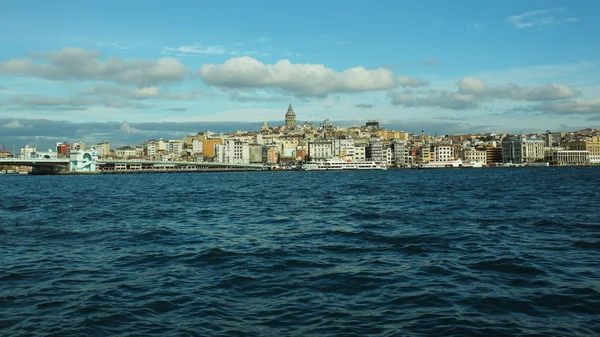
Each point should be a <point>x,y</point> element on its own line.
<point>126,70</point>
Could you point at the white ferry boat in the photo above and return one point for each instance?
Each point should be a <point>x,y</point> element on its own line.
<point>340,165</point>
<point>450,164</point>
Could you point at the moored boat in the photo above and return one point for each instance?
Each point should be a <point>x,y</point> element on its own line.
<point>341,165</point>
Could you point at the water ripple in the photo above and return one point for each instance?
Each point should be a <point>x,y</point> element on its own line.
<point>416,253</point>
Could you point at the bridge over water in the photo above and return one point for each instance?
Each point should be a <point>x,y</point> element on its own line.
<point>63,165</point>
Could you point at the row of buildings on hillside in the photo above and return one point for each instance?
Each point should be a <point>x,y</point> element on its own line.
<point>292,143</point>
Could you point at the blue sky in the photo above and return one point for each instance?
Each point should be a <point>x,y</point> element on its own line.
<point>500,66</point>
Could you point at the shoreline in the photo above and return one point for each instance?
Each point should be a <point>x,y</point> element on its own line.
<point>285,170</point>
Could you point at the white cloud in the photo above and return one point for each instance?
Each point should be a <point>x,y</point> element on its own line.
<point>542,17</point>
<point>14,124</point>
<point>472,91</point>
<point>548,92</point>
<point>412,82</point>
<point>475,26</point>
<point>126,128</point>
<point>431,61</point>
<point>197,50</point>
<point>433,98</point>
<point>151,92</point>
<point>298,79</point>
<point>578,107</point>
<point>75,64</point>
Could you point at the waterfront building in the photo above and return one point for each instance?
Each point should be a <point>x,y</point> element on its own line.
<point>63,149</point>
<point>360,153</point>
<point>270,154</point>
<point>197,147</point>
<point>103,149</point>
<point>320,149</point>
<point>255,153</point>
<point>126,152</point>
<point>176,146</point>
<point>27,152</point>
<point>473,155</point>
<point>208,146</point>
<point>290,118</point>
<point>443,152</point>
<point>79,146</point>
<point>566,157</point>
<point>388,157</point>
<point>522,150</point>
<point>591,145</point>
<point>150,147</point>
<point>400,153</point>
<point>374,151</point>
<point>343,147</point>
<point>493,154</point>
<point>425,153</point>
<point>232,151</point>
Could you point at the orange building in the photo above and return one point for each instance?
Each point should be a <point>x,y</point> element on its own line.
<point>208,146</point>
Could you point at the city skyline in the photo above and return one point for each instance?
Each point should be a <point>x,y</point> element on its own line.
<point>445,67</point>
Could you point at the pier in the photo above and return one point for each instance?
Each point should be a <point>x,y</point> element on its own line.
<point>66,166</point>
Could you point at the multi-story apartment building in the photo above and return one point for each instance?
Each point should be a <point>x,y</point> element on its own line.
<point>150,147</point>
<point>320,149</point>
<point>232,151</point>
<point>374,151</point>
<point>493,154</point>
<point>473,155</point>
<point>424,153</point>
<point>255,153</point>
<point>176,146</point>
<point>360,153</point>
<point>341,147</point>
<point>126,152</point>
<point>27,152</point>
<point>591,145</point>
<point>522,150</point>
<point>444,152</point>
<point>197,146</point>
<point>401,154</point>
<point>103,149</point>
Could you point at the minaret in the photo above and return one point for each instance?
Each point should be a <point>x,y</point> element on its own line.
<point>290,118</point>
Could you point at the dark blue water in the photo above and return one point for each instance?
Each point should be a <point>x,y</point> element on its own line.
<point>487,252</point>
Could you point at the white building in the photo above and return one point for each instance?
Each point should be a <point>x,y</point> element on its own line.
<point>197,146</point>
<point>401,154</point>
<point>150,148</point>
<point>522,150</point>
<point>567,157</point>
<point>320,149</point>
<point>388,156</point>
<point>232,152</point>
<point>176,146</point>
<point>27,152</point>
<point>341,147</point>
<point>78,146</point>
<point>360,153</point>
<point>103,149</point>
<point>473,155</point>
<point>444,152</point>
<point>128,152</point>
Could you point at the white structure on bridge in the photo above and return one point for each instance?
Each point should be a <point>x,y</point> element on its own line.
<point>84,161</point>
